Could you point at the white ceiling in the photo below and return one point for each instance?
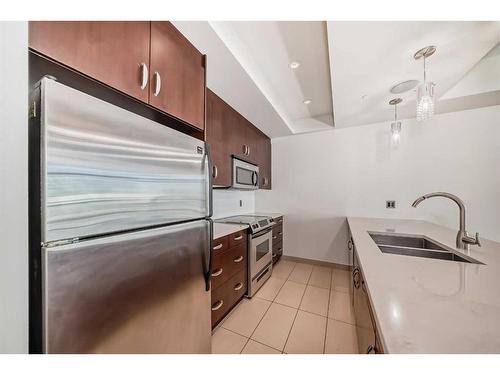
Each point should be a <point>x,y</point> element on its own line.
<point>358,61</point>
<point>266,48</point>
<point>368,58</point>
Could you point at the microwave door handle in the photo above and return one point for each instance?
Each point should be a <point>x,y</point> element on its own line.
<point>254,178</point>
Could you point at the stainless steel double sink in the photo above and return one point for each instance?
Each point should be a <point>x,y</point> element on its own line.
<point>417,246</point>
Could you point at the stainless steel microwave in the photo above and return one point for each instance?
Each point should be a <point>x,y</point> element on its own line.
<point>245,175</point>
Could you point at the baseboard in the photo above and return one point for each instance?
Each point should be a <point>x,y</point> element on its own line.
<point>317,262</point>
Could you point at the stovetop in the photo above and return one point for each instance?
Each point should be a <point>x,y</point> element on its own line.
<point>256,223</point>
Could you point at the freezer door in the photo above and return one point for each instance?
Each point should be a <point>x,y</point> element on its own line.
<point>142,292</point>
<point>106,170</point>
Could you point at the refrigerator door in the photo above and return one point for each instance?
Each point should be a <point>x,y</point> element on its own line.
<point>105,170</point>
<point>142,292</point>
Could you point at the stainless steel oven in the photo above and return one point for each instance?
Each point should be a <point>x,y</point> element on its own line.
<point>260,259</point>
<point>245,175</point>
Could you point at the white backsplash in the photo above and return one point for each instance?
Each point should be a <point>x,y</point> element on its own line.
<point>227,202</point>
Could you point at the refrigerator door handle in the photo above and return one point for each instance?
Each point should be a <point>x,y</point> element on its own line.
<point>209,165</point>
<point>208,272</point>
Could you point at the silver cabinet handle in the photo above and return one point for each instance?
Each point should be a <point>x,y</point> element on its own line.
<point>371,350</point>
<point>265,181</point>
<point>157,84</point>
<point>215,171</point>
<point>217,272</point>
<point>280,233</point>
<point>238,238</point>
<point>145,75</point>
<point>238,259</point>
<point>274,237</point>
<point>355,278</point>
<point>219,246</point>
<point>216,306</point>
<point>248,150</point>
<point>238,286</point>
<point>245,149</point>
<point>349,244</point>
<point>275,255</point>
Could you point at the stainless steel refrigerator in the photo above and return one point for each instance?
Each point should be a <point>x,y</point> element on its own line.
<point>125,229</point>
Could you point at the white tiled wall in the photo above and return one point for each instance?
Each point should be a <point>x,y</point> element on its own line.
<point>227,202</point>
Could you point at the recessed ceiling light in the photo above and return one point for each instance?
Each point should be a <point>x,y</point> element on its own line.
<point>404,86</point>
<point>294,65</point>
<point>307,101</point>
<point>364,96</point>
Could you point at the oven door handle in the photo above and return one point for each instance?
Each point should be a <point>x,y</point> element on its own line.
<point>263,233</point>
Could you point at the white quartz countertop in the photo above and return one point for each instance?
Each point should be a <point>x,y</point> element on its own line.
<point>223,229</point>
<point>274,215</point>
<point>424,305</point>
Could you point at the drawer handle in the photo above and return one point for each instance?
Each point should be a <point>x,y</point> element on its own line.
<point>280,220</point>
<point>275,255</point>
<point>216,306</point>
<point>219,246</point>
<point>238,259</point>
<point>280,233</point>
<point>238,238</point>
<point>215,172</point>
<point>217,272</point>
<point>238,286</point>
<point>274,237</point>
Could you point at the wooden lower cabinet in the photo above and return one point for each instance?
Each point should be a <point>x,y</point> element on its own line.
<point>366,329</point>
<point>229,273</point>
<point>278,239</point>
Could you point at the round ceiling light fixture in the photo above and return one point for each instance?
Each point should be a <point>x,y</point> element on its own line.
<point>307,101</point>
<point>404,86</point>
<point>294,64</point>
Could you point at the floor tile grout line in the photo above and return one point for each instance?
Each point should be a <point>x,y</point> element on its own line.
<point>295,317</point>
<point>327,312</point>
<point>269,346</point>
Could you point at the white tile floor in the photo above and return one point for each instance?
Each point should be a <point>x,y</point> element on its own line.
<point>301,309</point>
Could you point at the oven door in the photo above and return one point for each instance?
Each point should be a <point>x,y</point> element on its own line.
<point>245,175</point>
<point>261,250</point>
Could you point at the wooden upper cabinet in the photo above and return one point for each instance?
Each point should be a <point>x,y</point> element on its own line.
<point>217,136</point>
<point>110,52</point>
<point>177,72</point>
<point>264,156</point>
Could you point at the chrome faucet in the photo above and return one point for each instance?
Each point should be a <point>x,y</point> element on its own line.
<point>463,238</point>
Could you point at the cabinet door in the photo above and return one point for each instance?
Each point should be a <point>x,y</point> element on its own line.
<point>110,52</point>
<point>235,125</point>
<point>264,161</point>
<point>177,75</point>
<point>218,139</point>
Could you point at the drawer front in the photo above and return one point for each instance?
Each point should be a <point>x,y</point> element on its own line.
<point>277,233</point>
<point>277,249</point>
<point>220,303</point>
<point>237,238</point>
<point>237,287</point>
<point>221,244</point>
<point>227,295</point>
<point>227,263</point>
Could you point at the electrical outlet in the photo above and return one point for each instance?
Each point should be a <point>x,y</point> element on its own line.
<point>241,203</point>
<point>390,204</point>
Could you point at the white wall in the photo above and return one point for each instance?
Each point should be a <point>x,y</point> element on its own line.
<point>227,202</point>
<point>13,187</point>
<point>320,178</point>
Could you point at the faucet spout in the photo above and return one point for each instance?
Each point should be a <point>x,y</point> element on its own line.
<point>463,239</point>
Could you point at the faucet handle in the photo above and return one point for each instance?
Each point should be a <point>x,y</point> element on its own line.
<point>478,242</point>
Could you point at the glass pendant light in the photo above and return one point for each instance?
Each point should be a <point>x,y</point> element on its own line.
<point>396,125</point>
<point>425,91</point>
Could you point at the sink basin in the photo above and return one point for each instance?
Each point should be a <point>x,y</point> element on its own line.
<point>417,246</point>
